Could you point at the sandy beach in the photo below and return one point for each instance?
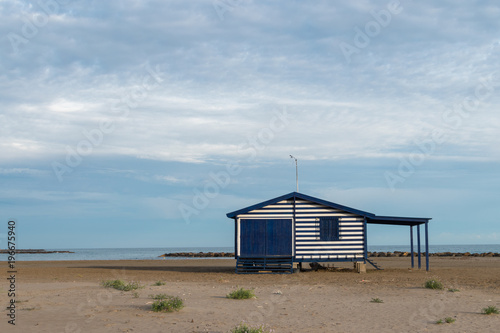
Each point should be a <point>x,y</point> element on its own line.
<point>67,296</point>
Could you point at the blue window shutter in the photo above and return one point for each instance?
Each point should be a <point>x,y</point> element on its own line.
<point>336,229</point>
<point>329,228</point>
<point>323,229</point>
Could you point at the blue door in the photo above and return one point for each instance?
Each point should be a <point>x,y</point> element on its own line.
<point>265,238</point>
<point>253,236</point>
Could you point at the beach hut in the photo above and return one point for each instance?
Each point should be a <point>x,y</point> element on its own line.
<point>296,228</point>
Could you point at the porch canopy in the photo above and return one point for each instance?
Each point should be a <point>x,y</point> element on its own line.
<point>411,222</point>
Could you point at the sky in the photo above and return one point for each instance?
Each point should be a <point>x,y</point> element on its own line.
<point>142,123</point>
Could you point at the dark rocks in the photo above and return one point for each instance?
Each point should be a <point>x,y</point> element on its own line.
<point>370,254</point>
<point>437,254</point>
<point>35,251</point>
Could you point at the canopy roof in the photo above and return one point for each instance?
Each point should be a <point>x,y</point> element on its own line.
<point>370,218</point>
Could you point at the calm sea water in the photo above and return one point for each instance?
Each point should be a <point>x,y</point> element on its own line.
<point>154,253</point>
<point>113,254</point>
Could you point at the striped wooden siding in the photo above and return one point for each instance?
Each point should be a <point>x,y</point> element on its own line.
<point>282,209</point>
<point>307,243</point>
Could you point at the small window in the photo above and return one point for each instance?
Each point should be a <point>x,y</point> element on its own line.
<point>329,229</point>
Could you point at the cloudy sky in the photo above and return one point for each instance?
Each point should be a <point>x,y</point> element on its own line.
<point>142,123</point>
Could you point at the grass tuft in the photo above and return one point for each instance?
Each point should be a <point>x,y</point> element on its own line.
<point>241,294</point>
<point>121,285</point>
<point>453,290</point>
<point>433,284</point>
<point>490,310</point>
<point>165,303</point>
<point>159,283</point>
<point>376,300</point>
<point>159,296</point>
<point>447,320</point>
<point>243,328</point>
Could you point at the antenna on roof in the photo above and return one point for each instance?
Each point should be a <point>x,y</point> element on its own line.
<point>296,172</point>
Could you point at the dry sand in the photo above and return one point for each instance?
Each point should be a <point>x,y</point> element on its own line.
<point>66,296</point>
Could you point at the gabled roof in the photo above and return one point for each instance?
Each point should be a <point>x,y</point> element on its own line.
<point>370,218</point>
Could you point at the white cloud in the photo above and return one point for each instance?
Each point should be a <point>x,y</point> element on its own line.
<point>169,179</point>
<point>221,79</point>
<point>21,171</point>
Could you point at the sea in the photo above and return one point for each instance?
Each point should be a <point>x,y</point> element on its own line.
<point>155,253</point>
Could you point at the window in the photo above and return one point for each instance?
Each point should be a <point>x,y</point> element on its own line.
<point>329,229</point>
